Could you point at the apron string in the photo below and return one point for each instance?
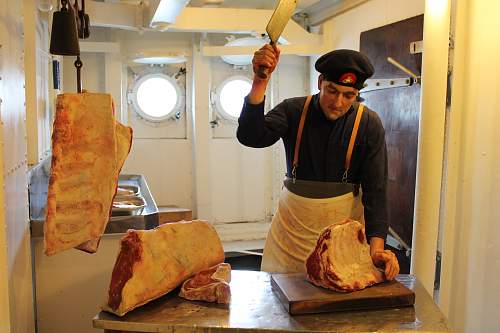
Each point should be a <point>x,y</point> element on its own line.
<point>354,134</point>
<point>299,137</point>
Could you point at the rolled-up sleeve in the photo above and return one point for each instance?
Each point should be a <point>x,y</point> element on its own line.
<point>374,180</point>
<point>258,130</point>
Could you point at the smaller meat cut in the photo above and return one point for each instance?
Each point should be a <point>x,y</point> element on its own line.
<point>341,260</point>
<point>209,285</point>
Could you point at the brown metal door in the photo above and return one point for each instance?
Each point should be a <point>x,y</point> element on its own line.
<point>399,109</point>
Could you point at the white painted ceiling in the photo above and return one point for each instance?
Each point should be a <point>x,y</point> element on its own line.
<point>258,4</point>
<point>317,11</point>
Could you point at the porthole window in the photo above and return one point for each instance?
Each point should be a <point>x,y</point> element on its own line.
<point>230,96</point>
<point>156,97</point>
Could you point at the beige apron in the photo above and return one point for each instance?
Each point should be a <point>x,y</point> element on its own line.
<point>305,208</point>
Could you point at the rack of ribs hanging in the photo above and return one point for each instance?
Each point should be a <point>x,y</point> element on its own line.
<point>69,24</point>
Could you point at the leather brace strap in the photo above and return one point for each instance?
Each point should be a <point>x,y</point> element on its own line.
<point>354,133</point>
<point>299,136</point>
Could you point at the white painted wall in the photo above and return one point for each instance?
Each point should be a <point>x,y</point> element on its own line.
<point>470,294</point>
<point>16,299</point>
<point>38,63</point>
<point>241,179</point>
<point>69,302</point>
<point>431,140</point>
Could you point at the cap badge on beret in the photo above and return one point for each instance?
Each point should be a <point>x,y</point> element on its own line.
<point>348,78</point>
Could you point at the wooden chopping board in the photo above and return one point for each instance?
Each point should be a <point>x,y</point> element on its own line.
<point>299,296</point>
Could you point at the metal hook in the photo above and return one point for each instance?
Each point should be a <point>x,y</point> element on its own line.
<point>344,176</point>
<point>78,65</point>
<point>294,173</point>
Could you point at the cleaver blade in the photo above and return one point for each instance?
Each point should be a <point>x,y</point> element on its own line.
<point>281,15</point>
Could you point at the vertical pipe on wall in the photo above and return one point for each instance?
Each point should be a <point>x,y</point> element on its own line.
<point>202,134</point>
<point>4,267</point>
<point>30,68</point>
<point>454,145</point>
<point>113,83</point>
<point>431,141</point>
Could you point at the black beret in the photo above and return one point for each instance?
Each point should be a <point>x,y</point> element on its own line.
<point>345,67</point>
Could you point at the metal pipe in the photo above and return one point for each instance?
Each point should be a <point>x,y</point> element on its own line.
<point>403,68</point>
<point>399,239</point>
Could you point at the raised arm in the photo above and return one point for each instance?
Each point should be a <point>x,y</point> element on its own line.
<point>267,56</point>
<point>254,128</point>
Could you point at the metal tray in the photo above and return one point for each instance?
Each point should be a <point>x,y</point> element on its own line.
<point>131,205</point>
<point>126,191</point>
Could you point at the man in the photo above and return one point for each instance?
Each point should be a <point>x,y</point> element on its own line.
<point>334,146</point>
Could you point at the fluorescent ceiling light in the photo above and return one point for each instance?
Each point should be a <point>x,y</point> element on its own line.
<point>158,57</point>
<point>242,60</point>
<point>166,13</point>
<point>160,60</point>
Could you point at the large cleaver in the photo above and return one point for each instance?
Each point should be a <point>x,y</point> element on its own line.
<point>281,15</point>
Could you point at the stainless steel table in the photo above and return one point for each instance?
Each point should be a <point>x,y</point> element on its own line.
<point>255,308</point>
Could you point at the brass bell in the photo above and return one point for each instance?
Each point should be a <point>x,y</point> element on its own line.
<point>64,36</point>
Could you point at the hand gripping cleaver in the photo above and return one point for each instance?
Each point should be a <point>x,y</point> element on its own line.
<point>281,15</point>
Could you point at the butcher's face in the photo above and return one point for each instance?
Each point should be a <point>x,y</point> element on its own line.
<point>335,100</point>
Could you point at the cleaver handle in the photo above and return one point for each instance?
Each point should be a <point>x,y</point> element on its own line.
<point>263,71</point>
